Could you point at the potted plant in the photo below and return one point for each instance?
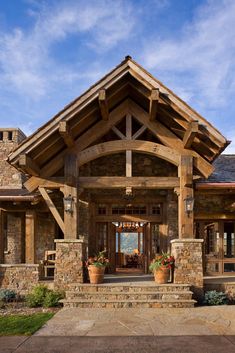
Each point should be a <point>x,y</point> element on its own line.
<point>96,267</point>
<point>161,266</point>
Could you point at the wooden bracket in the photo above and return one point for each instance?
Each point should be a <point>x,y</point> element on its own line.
<point>103,104</point>
<point>28,165</point>
<point>65,132</point>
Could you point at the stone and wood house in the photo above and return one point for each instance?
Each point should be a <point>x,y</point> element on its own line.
<point>128,155</point>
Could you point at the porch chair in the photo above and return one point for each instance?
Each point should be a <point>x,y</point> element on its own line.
<point>49,263</point>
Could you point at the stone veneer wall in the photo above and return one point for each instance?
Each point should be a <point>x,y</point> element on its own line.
<point>83,216</point>
<point>171,216</point>
<point>188,264</point>
<point>15,238</point>
<point>20,278</point>
<point>69,266</point>
<point>10,177</point>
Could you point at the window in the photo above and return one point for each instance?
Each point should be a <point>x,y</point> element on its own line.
<point>101,209</point>
<point>134,210</point>
<point>156,209</point>
<point>10,135</point>
<point>1,136</point>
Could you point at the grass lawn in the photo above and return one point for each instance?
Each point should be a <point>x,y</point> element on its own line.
<point>22,324</point>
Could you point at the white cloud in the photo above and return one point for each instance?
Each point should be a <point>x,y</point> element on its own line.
<point>202,54</point>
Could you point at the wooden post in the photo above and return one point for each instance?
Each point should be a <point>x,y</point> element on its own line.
<point>30,237</point>
<point>186,190</point>
<point>71,189</point>
<point>1,237</point>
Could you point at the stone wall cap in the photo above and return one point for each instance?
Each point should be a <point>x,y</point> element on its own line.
<point>69,241</point>
<point>191,240</point>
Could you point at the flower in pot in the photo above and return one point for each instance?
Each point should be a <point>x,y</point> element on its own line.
<point>161,266</point>
<point>96,267</point>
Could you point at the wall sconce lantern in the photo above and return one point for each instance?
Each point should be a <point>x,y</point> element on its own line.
<point>68,204</point>
<point>188,204</point>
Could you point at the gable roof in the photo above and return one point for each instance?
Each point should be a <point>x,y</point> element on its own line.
<point>127,81</point>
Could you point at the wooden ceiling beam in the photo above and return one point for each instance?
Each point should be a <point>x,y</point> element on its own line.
<point>50,183</point>
<point>153,104</point>
<point>28,165</point>
<point>123,182</point>
<point>190,134</point>
<point>65,133</point>
<point>103,104</point>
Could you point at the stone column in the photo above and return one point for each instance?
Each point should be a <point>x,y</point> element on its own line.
<point>69,265</point>
<point>188,264</point>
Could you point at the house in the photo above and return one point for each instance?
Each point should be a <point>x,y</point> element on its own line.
<point>127,156</point>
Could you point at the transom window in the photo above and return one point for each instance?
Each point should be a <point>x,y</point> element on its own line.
<point>134,210</point>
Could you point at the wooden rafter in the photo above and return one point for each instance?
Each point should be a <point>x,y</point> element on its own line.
<point>139,132</point>
<point>65,132</point>
<point>190,134</point>
<point>28,165</point>
<point>50,183</point>
<point>123,182</point>
<point>103,104</point>
<point>153,104</point>
<point>118,133</point>
<point>52,208</point>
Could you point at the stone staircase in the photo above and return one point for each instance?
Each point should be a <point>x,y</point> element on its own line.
<point>129,295</point>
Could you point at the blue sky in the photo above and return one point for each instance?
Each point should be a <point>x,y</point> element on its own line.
<point>51,51</point>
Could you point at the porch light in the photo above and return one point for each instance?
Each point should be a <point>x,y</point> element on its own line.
<point>68,204</point>
<point>189,204</point>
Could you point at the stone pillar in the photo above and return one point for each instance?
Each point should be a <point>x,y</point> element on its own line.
<point>69,265</point>
<point>30,237</point>
<point>188,264</point>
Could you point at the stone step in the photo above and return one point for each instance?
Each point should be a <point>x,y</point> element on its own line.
<point>99,303</point>
<point>129,287</point>
<point>119,295</point>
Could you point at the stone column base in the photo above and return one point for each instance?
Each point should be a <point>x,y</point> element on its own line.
<point>69,265</point>
<point>189,264</point>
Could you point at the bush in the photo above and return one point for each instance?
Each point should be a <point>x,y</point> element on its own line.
<point>7,295</point>
<point>52,299</point>
<point>42,296</point>
<point>213,297</point>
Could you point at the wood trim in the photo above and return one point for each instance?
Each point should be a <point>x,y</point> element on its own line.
<point>190,134</point>
<point>52,208</point>
<point>128,218</point>
<point>50,183</point>
<point>123,182</point>
<point>106,148</point>
<point>65,133</point>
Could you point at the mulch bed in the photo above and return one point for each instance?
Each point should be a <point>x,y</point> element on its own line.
<point>20,308</point>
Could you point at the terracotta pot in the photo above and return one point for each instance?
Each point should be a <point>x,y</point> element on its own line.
<point>96,274</point>
<point>162,275</point>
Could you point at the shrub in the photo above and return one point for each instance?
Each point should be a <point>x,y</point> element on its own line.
<point>213,297</point>
<point>42,296</point>
<point>7,295</point>
<point>52,299</point>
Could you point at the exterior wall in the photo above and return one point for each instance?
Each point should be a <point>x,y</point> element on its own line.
<point>15,239</point>
<point>226,287</point>
<point>20,278</point>
<point>211,204</point>
<point>172,216</point>
<point>83,220</point>
<point>45,235</point>
<point>70,257</point>
<point>10,177</point>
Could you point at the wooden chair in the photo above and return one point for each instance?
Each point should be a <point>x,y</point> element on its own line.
<point>49,263</point>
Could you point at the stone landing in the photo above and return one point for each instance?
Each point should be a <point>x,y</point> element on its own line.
<point>129,295</point>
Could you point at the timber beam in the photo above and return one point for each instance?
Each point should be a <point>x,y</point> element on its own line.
<point>125,182</point>
<point>52,208</point>
<point>50,183</point>
<point>153,104</point>
<point>103,104</point>
<point>65,133</point>
<point>28,165</point>
<point>190,134</point>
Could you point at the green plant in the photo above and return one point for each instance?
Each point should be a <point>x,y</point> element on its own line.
<point>164,260</point>
<point>100,260</point>
<point>213,297</point>
<point>52,298</point>
<point>36,297</point>
<point>6,295</point>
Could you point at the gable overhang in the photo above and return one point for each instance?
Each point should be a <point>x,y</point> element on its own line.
<point>127,88</point>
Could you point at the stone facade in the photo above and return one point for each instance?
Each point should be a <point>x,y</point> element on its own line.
<point>83,217</point>
<point>45,234</point>
<point>14,252</point>
<point>188,267</point>
<point>10,177</point>
<point>69,267</point>
<point>20,278</point>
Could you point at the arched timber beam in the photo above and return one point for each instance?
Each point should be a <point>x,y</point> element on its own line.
<point>106,148</point>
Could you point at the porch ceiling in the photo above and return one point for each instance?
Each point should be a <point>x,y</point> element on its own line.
<point>95,110</point>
